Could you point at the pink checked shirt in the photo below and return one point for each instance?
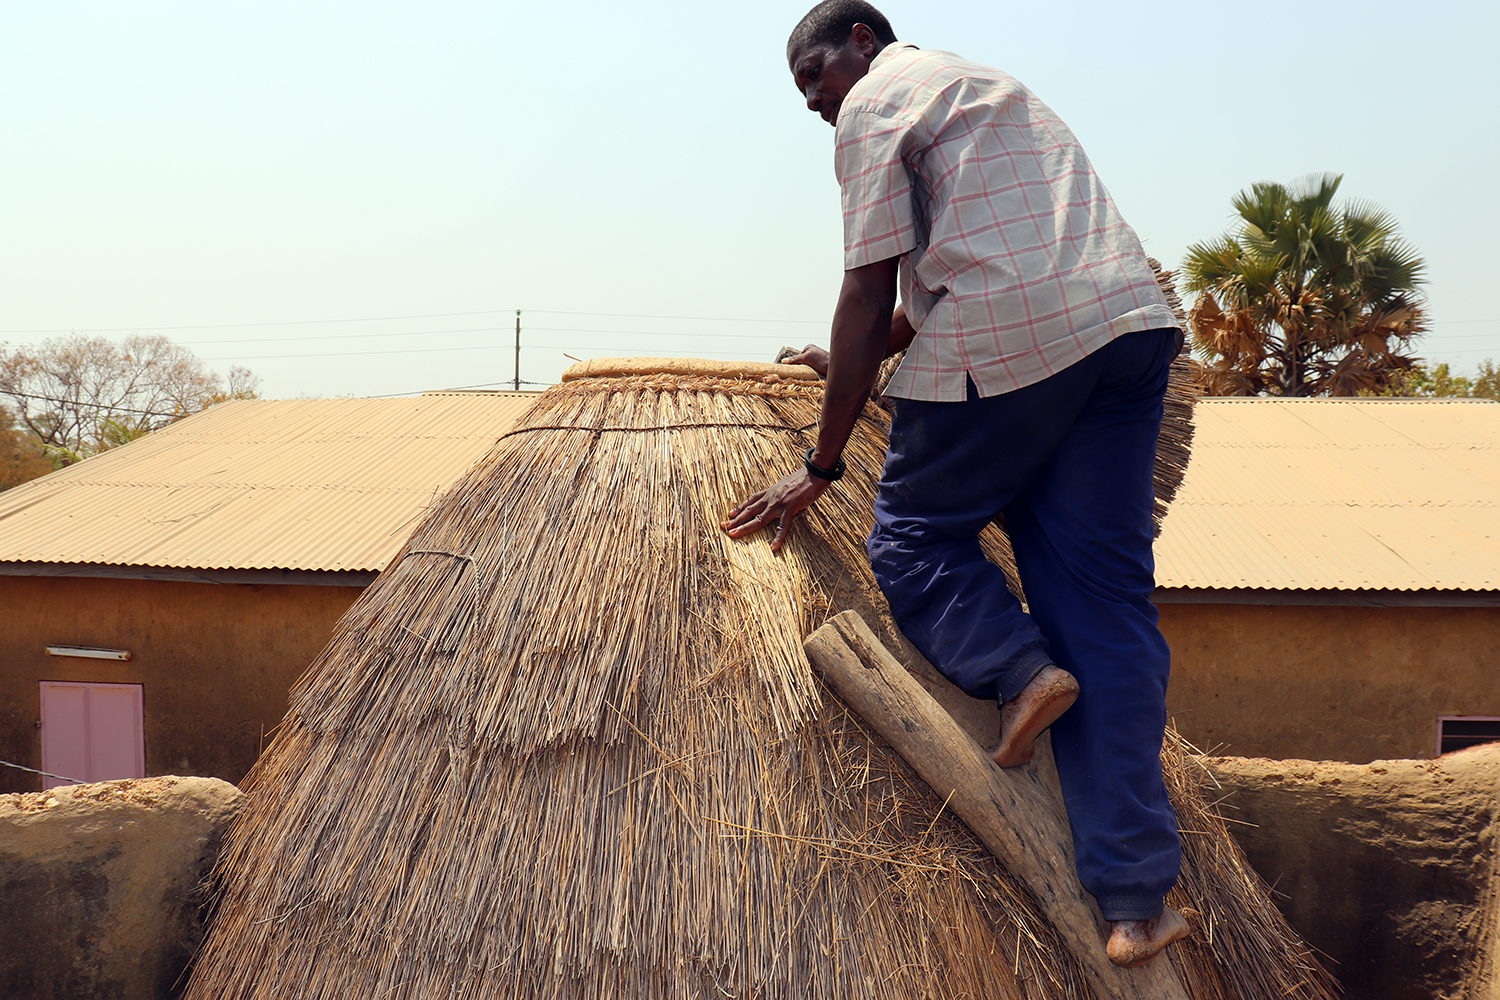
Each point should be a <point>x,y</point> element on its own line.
<point>1015,263</point>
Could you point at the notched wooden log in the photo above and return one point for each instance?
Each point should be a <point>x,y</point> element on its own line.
<point>1017,814</point>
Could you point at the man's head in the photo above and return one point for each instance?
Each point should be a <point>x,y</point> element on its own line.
<point>831,49</point>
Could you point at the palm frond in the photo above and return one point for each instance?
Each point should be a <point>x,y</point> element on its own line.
<point>1208,265</point>
<point>1295,286</point>
<point>1316,189</point>
<point>1393,270</point>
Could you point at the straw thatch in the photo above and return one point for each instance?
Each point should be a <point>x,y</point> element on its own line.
<point>567,745</point>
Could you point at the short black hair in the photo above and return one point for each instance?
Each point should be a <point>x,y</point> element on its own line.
<point>830,22</point>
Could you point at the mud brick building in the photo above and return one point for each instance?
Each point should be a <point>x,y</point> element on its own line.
<point>157,601</point>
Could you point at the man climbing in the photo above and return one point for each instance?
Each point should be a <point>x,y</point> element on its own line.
<point>1038,344</point>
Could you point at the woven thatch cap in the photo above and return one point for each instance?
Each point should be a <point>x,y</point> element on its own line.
<point>609,367</point>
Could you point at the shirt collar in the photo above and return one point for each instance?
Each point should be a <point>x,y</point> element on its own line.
<point>888,52</point>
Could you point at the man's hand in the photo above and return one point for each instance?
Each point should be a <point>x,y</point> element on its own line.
<point>862,326</point>
<point>779,505</point>
<point>812,356</point>
<point>816,358</point>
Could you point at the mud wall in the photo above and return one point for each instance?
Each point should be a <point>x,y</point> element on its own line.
<point>1387,868</point>
<point>215,660</point>
<point>1328,683</point>
<point>104,885</point>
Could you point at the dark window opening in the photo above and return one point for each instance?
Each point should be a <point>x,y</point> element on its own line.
<point>1455,732</point>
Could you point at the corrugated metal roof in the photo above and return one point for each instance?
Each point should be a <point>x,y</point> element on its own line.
<point>1338,494</point>
<point>1281,494</point>
<point>296,484</point>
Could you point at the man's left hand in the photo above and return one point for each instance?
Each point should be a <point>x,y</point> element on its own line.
<point>778,505</point>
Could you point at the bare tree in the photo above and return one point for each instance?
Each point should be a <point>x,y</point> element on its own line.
<point>79,395</point>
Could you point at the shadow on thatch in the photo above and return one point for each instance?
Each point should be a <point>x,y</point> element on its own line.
<point>567,745</point>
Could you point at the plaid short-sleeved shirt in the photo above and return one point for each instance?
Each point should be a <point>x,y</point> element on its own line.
<point>1015,262</point>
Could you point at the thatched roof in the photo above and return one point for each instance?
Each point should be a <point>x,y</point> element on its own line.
<point>568,745</point>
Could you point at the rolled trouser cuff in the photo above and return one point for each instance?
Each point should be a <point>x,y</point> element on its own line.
<point>1032,660</point>
<point>1131,907</point>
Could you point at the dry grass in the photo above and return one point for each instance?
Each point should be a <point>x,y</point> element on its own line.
<point>1176,440</point>
<point>567,746</point>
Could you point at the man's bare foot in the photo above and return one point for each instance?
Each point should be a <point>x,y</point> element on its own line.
<point>1136,942</point>
<point>1023,718</point>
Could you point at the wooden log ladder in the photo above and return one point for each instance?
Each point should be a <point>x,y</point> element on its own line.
<point>1017,814</point>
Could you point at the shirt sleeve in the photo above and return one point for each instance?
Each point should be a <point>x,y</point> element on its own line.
<point>876,188</point>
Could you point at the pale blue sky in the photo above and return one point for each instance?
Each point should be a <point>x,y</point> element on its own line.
<point>206,165</point>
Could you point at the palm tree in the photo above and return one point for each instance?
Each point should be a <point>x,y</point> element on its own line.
<point>1303,297</point>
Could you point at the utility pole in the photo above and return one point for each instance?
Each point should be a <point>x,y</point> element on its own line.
<point>518,350</point>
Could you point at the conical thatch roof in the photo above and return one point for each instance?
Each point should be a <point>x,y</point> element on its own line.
<point>568,745</point>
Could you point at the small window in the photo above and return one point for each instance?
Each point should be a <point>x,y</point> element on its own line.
<point>1455,732</point>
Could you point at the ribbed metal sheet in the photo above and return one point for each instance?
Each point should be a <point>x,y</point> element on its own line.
<point>1343,494</point>
<point>1280,494</point>
<point>298,484</point>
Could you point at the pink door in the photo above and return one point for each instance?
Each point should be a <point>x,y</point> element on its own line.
<point>92,732</point>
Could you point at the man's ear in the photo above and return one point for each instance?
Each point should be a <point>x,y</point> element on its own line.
<point>864,40</point>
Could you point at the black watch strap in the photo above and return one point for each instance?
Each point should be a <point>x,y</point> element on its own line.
<point>832,475</point>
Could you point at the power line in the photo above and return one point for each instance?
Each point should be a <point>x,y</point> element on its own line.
<point>657,333</point>
<point>481,329</point>
<point>577,347</point>
<point>454,388</point>
<point>378,319</point>
<point>702,319</point>
<point>359,354</point>
<point>476,347</point>
<point>551,329</point>
<point>240,326</point>
<point>685,354</point>
<point>98,406</point>
<point>341,336</point>
<point>480,312</point>
<point>45,774</point>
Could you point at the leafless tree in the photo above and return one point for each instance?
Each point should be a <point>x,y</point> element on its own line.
<point>78,395</point>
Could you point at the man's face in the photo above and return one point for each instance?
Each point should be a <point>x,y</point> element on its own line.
<point>825,73</point>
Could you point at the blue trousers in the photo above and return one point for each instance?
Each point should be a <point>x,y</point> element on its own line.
<point>1069,461</point>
